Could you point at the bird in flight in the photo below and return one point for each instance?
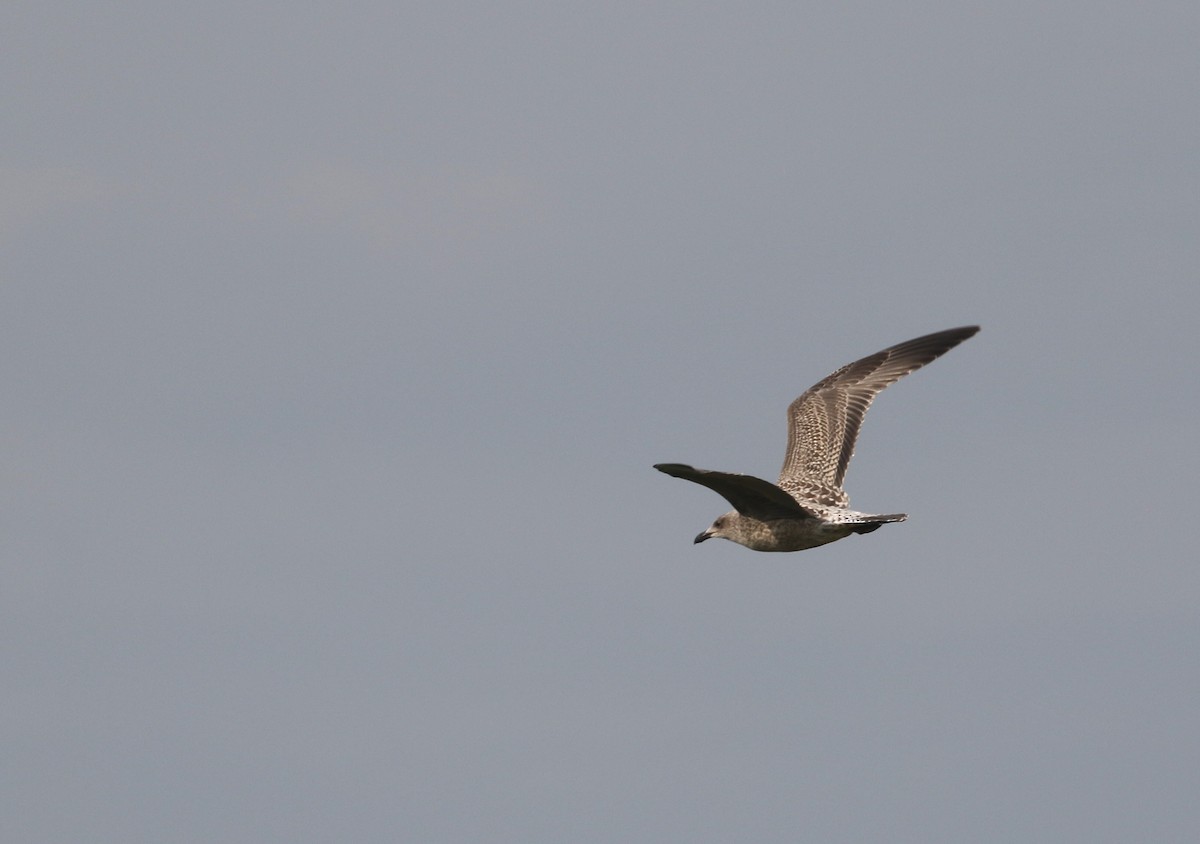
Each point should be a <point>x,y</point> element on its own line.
<point>807,506</point>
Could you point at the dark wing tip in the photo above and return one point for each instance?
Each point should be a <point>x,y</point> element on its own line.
<point>963,332</point>
<point>943,341</point>
<point>675,470</point>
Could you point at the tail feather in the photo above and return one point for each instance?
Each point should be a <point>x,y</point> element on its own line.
<point>871,523</point>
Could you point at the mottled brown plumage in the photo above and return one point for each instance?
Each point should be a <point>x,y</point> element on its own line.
<point>808,506</point>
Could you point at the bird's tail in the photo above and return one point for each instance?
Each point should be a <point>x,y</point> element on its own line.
<point>870,523</point>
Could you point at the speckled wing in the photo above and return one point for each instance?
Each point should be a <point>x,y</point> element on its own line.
<point>749,495</point>
<point>823,423</point>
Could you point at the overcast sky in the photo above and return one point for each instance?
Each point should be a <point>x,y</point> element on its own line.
<point>338,342</point>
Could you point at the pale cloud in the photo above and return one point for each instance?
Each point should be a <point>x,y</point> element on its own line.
<point>447,207</point>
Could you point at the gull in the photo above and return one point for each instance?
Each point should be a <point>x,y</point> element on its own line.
<point>807,507</point>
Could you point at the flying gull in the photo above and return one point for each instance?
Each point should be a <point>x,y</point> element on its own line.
<point>807,507</point>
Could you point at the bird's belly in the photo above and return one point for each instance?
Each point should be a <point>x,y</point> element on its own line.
<point>796,535</point>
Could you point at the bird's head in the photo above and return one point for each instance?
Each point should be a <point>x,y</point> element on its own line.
<point>721,528</point>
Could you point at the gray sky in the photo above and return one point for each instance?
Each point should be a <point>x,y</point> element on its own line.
<point>338,342</point>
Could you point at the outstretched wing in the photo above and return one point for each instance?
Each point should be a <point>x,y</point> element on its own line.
<point>823,423</point>
<point>749,495</point>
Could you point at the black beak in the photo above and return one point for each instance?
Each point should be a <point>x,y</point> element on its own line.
<point>701,537</point>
